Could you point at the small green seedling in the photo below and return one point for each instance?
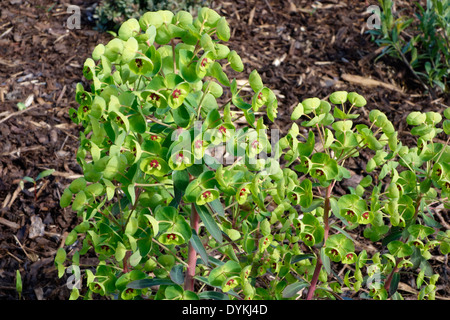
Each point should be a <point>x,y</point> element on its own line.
<point>40,176</point>
<point>19,284</point>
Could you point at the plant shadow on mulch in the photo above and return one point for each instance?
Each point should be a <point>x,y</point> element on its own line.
<point>300,51</point>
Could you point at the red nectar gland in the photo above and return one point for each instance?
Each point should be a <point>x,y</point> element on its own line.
<point>176,93</point>
<point>206,194</point>
<point>350,213</point>
<point>334,252</point>
<point>198,144</point>
<point>255,144</point>
<point>154,97</point>
<point>260,96</point>
<point>171,236</point>
<point>154,163</point>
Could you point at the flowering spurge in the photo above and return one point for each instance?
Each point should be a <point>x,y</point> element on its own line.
<point>242,193</point>
<point>155,208</point>
<point>154,166</point>
<point>221,133</point>
<point>180,160</point>
<point>146,187</point>
<point>207,196</point>
<point>199,147</point>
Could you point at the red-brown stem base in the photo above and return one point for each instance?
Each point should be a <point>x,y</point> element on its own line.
<point>314,279</point>
<point>192,254</point>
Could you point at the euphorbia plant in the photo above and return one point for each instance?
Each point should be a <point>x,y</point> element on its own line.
<point>394,201</point>
<point>154,112</point>
<point>168,220</point>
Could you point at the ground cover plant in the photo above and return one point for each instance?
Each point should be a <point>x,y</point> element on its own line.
<point>420,42</point>
<point>158,209</point>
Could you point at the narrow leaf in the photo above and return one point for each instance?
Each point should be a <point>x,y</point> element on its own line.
<point>198,246</point>
<point>209,222</point>
<point>292,289</point>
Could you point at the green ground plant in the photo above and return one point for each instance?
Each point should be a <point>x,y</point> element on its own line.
<point>170,218</point>
<point>421,43</point>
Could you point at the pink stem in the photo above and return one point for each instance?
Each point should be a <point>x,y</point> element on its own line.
<point>192,254</point>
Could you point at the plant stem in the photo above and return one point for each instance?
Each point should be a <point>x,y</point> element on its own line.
<point>192,254</point>
<point>201,100</point>
<point>326,211</point>
<point>387,285</point>
<point>314,279</point>
<point>133,208</point>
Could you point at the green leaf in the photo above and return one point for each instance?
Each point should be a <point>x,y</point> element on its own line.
<point>298,112</point>
<point>128,29</point>
<point>18,283</point>
<point>301,257</point>
<point>217,72</point>
<point>419,231</point>
<point>98,51</point>
<point>447,113</point>
<point>79,201</point>
<point>292,289</point>
<point>235,61</point>
<point>198,247</point>
<point>399,249</point>
<point>66,198</point>
<point>147,283</point>
<point>310,104</point>
<point>255,81</point>
<point>77,185</point>
<point>129,50</point>
<point>416,118</point>
<point>223,29</point>
<point>150,19</point>
<point>44,174</point>
<point>446,126</point>
<point>356,99</point>
<point>60,256</point>
<point>209,222</point>
<point>338,97</point>
<point>217,207</point>
<point>154,223</point>
<point>213,295</point>
<point>207,43</point>
<point>183,19</point>
<point>113,49</point>
<point>176,274</point>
